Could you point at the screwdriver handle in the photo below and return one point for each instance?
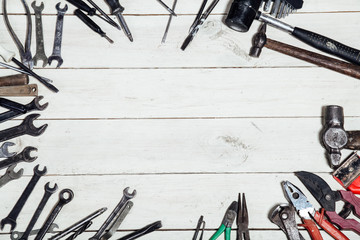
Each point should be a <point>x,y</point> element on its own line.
<point>83,6</point>
<point>6,54</point>
<point>90,23</point>
<point>115,6</point>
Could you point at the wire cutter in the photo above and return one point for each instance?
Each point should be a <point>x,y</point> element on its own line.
<point>242,219</point>
<point>227,222</point>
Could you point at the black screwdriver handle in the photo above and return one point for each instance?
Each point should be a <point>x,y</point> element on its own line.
<point>115,6</point>
<point>328,45</point>
<point>90,23</point>
<point>83,6</point>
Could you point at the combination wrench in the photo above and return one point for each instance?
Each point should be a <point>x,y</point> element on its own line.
<point>47,194</point>
<point>10,175</point>
<point>56,54</point>
<point>15,235</point>
<point>40,49</point>
<point>24,156</point>
<point>13,215</point>
<point>25,128</point>
<point>65,196</point>
<point>34,105</point>
<point>4,150</point>
<point>126,197</point>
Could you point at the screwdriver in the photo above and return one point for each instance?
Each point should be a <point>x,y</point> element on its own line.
<point>91,24</point>
<point>117,10</point>
<point>10,56</point>
<point>167,8</point>
<point>92,11</point>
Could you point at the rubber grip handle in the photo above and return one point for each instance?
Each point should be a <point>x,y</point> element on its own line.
<point>114,6</point>
<point>328,227</point>
<point>83,6</point>
<point>347,224</point>
<point>328,45</point>
<point>6,54</point>
<point>90,23</point>
<point>355,186</point>
<point>218,232</point>
<point>312,229</point>
<point>352,199</point>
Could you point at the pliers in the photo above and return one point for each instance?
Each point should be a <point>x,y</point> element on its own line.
<point>227,222</point>
<point>242,219</point>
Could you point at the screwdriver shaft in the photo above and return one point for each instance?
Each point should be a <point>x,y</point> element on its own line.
<point>112,22</point>
<point>124,26</point>
<point>167,8</point>
<point>169,22</point>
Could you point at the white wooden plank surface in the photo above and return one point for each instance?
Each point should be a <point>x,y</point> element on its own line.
<point>188,130</point>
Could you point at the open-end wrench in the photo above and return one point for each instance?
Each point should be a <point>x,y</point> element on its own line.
<point>10,175</point>
<point>40,49</point>
<point>25,53</point>
<point>15,235</point>
<point>25,128</point>
<point>48,192</point>
<point>34,105</point>
<point>65,196</point>
<point>4,150</point>
<point>119,219</point>
<point>126,197</point>
<point>13,215</point>
<point>56,54</point>
<point>24,156</point>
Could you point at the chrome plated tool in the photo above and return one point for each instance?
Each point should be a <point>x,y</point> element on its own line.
<point>168,23</point>
<point>171,11</point>
<point>4,150</point>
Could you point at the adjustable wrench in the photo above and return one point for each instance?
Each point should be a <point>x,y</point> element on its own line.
<point>126,197</point>
<point>4,151</point>
<point>26,127</point>
<point>48,192</point>
<point>15,235</point>
<point>24,156</point>
<point>13,215</point>
<point>56,54</point>
<point>65,196</point>
<point>10,175</point>
<point>40,50</point>
<point>34,105</point>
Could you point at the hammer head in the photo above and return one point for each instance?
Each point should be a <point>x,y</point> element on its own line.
<point>334,136</point>
<point>259,41</point>
<point>242,14</point>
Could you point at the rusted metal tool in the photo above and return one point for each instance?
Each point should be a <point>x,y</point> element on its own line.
<point>260,40</point>
<point>24,156</point>
<point>19,91</point>
<point>334,137</point>
<point>40,49</point>
<point>14,80</point>
<point>10,175</point>
<point>348,173</point>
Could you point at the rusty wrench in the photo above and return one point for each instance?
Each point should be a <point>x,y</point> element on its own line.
<point>11,175</point>
<point>13,215</point>
<point>40,49</point>
<point>56,54</point>
<point>25,53</point>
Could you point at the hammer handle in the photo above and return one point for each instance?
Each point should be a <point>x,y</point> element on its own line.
<point>14,80</point>
<point>327,45</point>
<point>315,58</point>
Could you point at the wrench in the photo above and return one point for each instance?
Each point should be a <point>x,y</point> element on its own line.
<point>56,54</point>
<point>65,196</point>
<point>25,128</point>
<point>11,218</point>
<point>126,197</point>
<point>48,192</point>
<point>10,175</point>
<point>32,106</point>
<point>15,235</point>
<point>24,156</point>
<point>40,49</point>
<point>4,151</point>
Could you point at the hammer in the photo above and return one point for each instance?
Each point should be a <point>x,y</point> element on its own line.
<point>334,137</point>
<point>260,40</point>
<point>243,12</point>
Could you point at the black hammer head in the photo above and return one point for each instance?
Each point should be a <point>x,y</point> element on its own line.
<point>259,41</point>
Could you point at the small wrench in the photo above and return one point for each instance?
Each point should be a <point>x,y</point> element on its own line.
<point>10,175</point>
<point>32,106</point>
<point>40,49</point>
<point>4,151</point>
<point>56,54</point>
<point>25,128</point>
<point>65,196</point>
<point>24,156</point>
<point>126,197</point>
<point>15,235</point>
<point>48,192</point>
<point>13,215</point>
